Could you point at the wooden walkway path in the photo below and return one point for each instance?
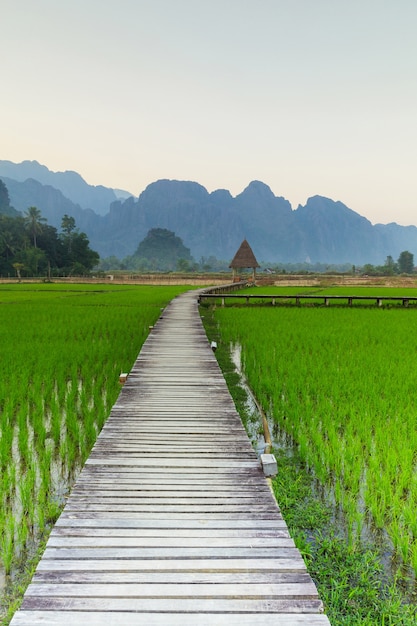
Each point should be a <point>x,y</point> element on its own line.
<point>171,520</point>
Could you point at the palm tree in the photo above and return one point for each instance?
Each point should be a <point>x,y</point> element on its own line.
<point>18,267</point>
<point>69,228</point>
<point>8,244</point>
<point>33,220</point>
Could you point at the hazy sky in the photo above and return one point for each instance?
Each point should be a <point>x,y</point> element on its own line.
<point>308,96</point>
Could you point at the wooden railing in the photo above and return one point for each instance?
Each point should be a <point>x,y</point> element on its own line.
<point>224,289</point>
<point>297,299</point>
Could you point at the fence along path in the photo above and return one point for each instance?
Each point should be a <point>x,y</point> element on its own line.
<point>171,520</point>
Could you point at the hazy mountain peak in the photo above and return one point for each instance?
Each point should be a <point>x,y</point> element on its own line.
<point>258,188</point>
<point>174,191</point>
<point>69,183</point>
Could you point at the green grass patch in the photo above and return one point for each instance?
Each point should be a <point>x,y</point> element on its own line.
<point>338,385</point>
<point>349,576</point>
<point>63,348</point>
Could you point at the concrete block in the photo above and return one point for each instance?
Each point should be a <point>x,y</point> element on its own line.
<point>269,465</point>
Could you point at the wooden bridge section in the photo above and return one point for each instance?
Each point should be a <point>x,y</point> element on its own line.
<point>295,298</point>
<point>171,520</point>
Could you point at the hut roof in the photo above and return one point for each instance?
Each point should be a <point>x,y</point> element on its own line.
<point>244,257</point>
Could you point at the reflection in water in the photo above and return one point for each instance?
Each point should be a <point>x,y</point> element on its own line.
<point>253,422</point>
<point>369,534</point>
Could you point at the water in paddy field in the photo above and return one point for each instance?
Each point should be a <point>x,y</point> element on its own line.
<point>369,534</point>
<point>253,422</point>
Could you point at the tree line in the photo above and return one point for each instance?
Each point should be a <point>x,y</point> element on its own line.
<point>31,247</point>
<point>403,265</point>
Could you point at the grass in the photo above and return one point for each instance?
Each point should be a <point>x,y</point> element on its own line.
<point>340,382</point>
<point>316,373</point>
<point>349,575</point>
<point>63,348</point>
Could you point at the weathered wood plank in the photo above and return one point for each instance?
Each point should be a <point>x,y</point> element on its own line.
<point>196,499</point>
<point>183,605</point>
<point>221,591</point>
<point>156,533</point>
<point>171,462</point>
<point>156,516</point>
<point>206,524</point>
<point>271,564</point>
<point>176,489</point>
<point>179,552</point>
<point>98,541</point>
<point>98,618</point>
<point>201,577</point>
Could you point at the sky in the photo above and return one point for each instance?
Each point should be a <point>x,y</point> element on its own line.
<point>308,96</point>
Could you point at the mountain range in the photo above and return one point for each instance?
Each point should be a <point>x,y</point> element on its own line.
<point>210,224</point>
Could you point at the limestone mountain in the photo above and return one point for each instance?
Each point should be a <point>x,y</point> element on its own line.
<point>5,207</point>
<point>214,224</point>
<point>70,184</point>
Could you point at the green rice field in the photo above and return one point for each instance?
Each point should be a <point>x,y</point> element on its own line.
<point>62,351</point>
<point>341,384</point>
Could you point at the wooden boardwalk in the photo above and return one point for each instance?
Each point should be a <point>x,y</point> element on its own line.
<point>171,520</point>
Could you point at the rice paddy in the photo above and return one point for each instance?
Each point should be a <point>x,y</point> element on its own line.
<point>62,351</point>
<point>341,383</point>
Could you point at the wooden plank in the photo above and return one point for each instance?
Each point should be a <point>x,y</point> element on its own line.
<point>270,564</point>
<point>200,577</point>
<point>203,551</point>
<point>157,533</point>
<point>171,490</point>
<point>206,524</point>
<point>173,590</point>
<point>194,499</point>
<point>178,517</point>
<point>184,605</point>
<point>98,618</point>
<point>171,462</point>
<point>97,541</point>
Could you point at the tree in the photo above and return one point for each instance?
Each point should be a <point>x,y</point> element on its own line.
<point>50,253</point>
<point>5,208</point>
<point>18,267</point>
<point>390,266</point>
<point>77,258</point>
<point>12,240</point>
<point>163,249</point>
<point>7,244</point>
<point>82,256</point>
<point>34,261</point>
<point>4,196</point>
<point>49,241</point>
<point>68,228</point>
<point>34,220</point>
<point>183,265</point>
<point>406,262</point>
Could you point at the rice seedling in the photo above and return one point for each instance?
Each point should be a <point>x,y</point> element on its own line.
<point>63,348</point>
<point>340,382</point>
<point>7,539</point>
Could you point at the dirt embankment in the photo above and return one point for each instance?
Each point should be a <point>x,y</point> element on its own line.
<point>335,280</point>
<point>202,280</point>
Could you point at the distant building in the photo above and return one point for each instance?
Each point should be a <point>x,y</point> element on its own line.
<point>244,259</point>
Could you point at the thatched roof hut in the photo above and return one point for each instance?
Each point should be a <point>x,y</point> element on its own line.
<point>244,258</point>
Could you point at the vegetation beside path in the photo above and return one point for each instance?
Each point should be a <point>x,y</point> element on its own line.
<point>357,583</point>
<point>63,348</point>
